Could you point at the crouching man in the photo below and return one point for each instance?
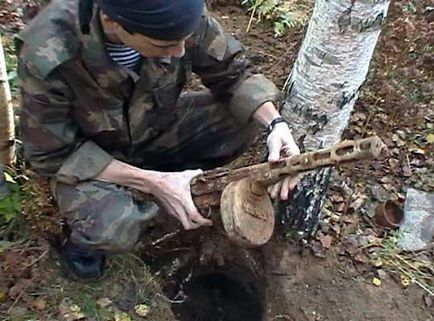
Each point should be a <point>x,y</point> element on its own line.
<point>104,112</point>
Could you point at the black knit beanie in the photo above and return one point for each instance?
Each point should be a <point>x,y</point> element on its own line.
<point>158,19</point>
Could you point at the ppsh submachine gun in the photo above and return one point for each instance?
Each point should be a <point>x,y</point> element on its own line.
<point>246,209</point>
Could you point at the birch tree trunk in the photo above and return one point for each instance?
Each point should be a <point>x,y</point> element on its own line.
<point>322,88</point>
<point>7,128</point>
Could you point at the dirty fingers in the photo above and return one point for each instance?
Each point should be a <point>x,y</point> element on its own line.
<point>174,194</point>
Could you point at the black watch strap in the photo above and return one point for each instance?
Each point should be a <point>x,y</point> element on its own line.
<point>274,122</point>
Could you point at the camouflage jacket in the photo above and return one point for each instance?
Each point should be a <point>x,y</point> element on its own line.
<point>80,109</point>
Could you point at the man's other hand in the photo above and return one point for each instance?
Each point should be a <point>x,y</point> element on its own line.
<point>279,140</point>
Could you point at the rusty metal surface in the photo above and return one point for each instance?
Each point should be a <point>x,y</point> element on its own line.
<point>247,213</point>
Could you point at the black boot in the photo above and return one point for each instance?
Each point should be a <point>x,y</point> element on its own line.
<point>81,264</point>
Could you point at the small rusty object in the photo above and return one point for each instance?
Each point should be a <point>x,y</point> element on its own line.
<point>247,213</point>
<point>389,214</point>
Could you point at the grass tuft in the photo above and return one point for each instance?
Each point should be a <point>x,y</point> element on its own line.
<point>415,268</point>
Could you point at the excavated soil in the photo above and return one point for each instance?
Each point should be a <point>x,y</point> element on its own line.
<point>306,288</point>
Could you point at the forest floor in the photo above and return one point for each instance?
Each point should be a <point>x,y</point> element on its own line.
<point>352,270</point>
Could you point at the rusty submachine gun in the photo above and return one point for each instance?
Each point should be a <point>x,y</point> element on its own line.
<point>246,209</point>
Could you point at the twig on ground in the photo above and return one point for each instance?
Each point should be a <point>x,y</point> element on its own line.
<point>252,16</point>
<point>174,301</point>
<point>16,301</point>
<point>38,259</point>
<point>165,237</point>
<point>283,316</point>
<point>408,163</point>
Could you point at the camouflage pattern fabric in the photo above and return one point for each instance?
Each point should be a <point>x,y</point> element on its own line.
<point>102,215</point>
<point>80,110</point>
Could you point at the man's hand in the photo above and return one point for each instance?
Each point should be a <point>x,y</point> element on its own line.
<point>280,139</point>
<point>173,192</point>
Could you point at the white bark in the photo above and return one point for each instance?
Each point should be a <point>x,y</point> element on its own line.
<point>324,84</point>
<point>7,127</point>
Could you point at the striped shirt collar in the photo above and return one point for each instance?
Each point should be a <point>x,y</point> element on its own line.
<point>124,55</point>
<point>128,57</point>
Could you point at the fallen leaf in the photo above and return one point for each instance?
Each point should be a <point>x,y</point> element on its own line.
<point>401,134</point>
<point>428,300</point>
<point>394,151</point>
<point>386,180</point>
<point>70,311</point>
<point>122,316</point>
<point>406,171</point>
<point>18,313</point>
<point>335,218</point>
<point>388,187</point>
<point>326,241</point>
<point>142,310</point>
<point>359,117</point>
<point>430,138</point>
<point>393,163</point>
<point>318,250</point>
<point>336,229</point>
<point>418,151</point>
<point>350,219</point>
<point>340,207</point>
<point>361,258</point>
<point>3,293</point>
<point>16,265</point>
<point>398,141</point>
<point>378,262</point>
<point>405,281</point>
<point>20,288</point>
<point>104,302</point>
<point>382,274</point>
<point>357,204</point>
<point>9,178</point>
<point>376,282</point>
<point>39,304</point>
<point>357,129</point>
<point>351,245</point>
<point>337,198</point>
<point>371,236</point>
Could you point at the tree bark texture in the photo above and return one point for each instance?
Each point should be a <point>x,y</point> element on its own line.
<point>7,128</point>
<point>3,186</point>
<point>322,88</point>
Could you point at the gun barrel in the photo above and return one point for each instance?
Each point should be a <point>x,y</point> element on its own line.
<point>344,152</point>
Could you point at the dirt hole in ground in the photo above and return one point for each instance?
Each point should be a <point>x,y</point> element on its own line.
<point>220,295</point>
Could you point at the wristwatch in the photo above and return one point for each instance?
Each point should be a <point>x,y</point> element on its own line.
<point>274,122</point>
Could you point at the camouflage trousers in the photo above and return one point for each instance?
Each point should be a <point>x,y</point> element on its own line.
<point>101,215</point>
